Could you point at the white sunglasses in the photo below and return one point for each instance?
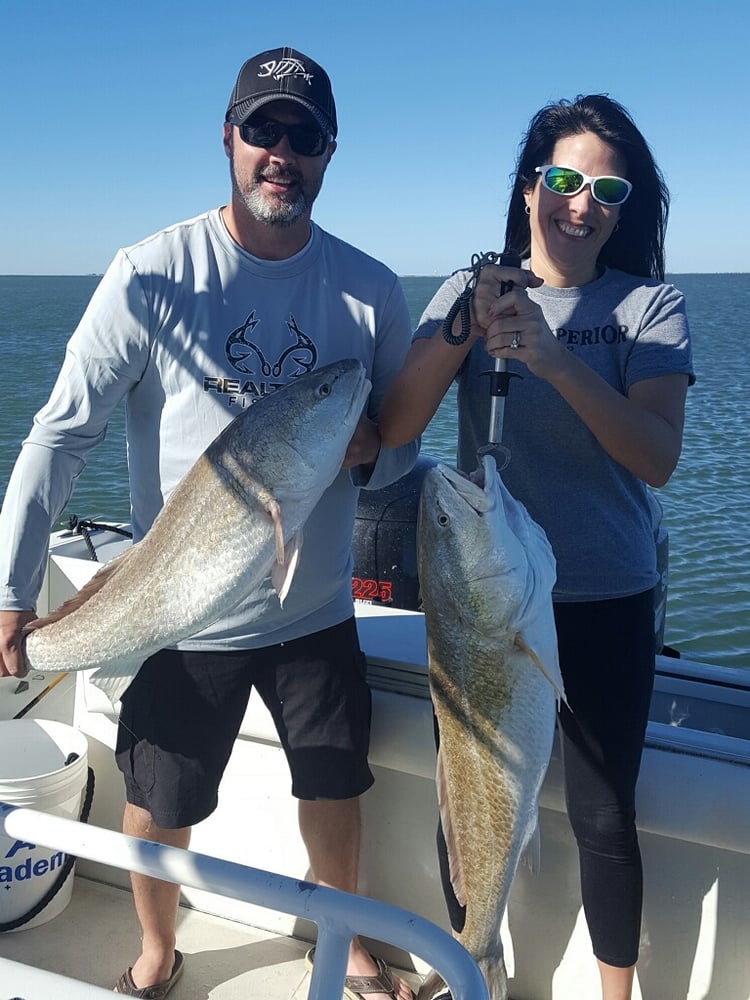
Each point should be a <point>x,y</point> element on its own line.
<point>568,181</point>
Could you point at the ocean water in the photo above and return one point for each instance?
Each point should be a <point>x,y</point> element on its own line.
<point>706,503</point>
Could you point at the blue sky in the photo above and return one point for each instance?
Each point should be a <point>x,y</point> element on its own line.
<point>111,114</point>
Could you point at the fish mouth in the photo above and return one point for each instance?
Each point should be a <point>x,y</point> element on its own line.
<point>353,370</point>
<point>359,398</point>
<point>347,378</point>
<point>346,381</point>
<point>479,490</point>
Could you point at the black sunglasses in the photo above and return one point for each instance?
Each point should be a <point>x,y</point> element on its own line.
<point>306,140</point>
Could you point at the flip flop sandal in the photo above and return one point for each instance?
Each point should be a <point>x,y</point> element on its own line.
<point>158,991</point>
<point>357,987</point>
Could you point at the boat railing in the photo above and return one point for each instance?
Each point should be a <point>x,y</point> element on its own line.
<point>339,916</point>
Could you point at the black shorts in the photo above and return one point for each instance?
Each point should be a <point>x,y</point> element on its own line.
<point>182,712</point>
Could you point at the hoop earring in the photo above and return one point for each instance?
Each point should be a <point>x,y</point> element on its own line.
<point>527,210</point>
<point>616,229</point>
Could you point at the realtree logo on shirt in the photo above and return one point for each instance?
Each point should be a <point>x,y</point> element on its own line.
<point>261,375</point>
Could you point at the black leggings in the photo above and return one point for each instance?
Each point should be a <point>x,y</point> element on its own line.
<point>607,658</point>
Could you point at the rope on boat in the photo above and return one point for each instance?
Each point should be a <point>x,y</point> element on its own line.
<point>84,527</point>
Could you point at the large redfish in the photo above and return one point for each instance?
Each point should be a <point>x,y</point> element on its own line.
<point>235,519</point>
<point>486,573</point>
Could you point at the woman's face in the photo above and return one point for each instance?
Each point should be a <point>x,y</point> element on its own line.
<point>568,233</point>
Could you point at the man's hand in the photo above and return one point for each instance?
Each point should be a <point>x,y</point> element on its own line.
<point>12,656</point>
<point>364,446</point>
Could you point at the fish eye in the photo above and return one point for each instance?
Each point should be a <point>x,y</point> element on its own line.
<point>325,389</point>
<point>443,520</point>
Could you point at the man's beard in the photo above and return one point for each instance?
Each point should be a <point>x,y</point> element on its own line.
<point>274,211</point>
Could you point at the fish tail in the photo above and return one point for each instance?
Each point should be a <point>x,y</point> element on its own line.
<point>93,586</point>
<point>493,970</point>
<point>430,986</point>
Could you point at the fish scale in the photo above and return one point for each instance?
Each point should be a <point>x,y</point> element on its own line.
<point>486,575</point>
<point>217,538</point>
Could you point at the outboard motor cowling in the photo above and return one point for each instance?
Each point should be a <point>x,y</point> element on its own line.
<point>384,544</point>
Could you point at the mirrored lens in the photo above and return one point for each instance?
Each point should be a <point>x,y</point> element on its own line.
<point>305,140</point>
<point>563,180</point>
<point>610,190</point>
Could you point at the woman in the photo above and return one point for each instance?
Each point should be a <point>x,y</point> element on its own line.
<point>602,348</point>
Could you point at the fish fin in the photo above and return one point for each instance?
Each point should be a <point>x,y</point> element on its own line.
<point>283,572</point>
<point>554,677</point>
<point>88,590</point>
<point>532,853</point>
<point>454,867</point>
<point>274,511</point>
<point>115,679</point>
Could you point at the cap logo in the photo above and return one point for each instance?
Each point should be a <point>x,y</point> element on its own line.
<point>280,68</point>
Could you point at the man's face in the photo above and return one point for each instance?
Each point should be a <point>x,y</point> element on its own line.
<point>276,186</point>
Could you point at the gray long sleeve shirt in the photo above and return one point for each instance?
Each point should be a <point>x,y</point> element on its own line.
<point>188,329</point>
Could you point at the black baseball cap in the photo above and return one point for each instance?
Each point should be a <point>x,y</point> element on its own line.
<point>283,75</point>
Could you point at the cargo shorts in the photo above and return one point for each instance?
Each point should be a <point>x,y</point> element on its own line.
<point>182,713</point>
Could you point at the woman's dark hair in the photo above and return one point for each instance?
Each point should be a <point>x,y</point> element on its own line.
<point>638,244</point>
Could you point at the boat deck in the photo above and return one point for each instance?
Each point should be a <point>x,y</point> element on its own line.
<point>96,937</point>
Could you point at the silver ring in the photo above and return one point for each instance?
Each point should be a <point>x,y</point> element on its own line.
<point>516,341</point>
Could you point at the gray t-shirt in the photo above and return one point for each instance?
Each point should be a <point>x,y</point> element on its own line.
<point>596,514</point>
<point>188,329</point>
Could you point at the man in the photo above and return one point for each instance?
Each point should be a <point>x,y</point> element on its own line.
<point>189,326</point>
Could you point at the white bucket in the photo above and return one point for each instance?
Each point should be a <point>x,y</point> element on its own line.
<point>33,774</point>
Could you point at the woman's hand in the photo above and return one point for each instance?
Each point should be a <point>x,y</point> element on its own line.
<point>514,326</point>
<point>489,290</point>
